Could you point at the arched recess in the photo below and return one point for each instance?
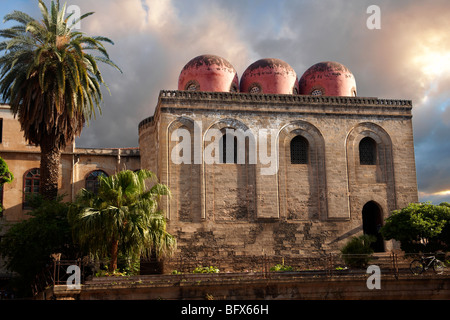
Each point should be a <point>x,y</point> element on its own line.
<point>372,221</point>
<point>229,187</point>
<point>91,180</point>
<point>375,178</point>
<point>184,171</point>
<point>303,187</point>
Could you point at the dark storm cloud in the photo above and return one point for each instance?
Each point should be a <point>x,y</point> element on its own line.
<point>153,41</point>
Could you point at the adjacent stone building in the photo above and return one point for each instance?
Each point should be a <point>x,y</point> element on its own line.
<point>79,167</point>
<point>280,166</point>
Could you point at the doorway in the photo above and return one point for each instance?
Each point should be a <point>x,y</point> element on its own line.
<point>372,217</point>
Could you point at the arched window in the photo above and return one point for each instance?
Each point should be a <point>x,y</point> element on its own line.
<point>226,150</point>
<point>92,180</point>
<point>31,184</point>
<point>368,151</point>
<point>299,150</point>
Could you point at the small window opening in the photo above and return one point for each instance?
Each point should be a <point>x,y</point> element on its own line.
<point>299,150</point>
<point>368,151</point>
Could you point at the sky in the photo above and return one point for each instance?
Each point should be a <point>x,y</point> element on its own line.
<point>408,57</point>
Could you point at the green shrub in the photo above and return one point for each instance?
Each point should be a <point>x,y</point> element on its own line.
<point>281,268</point>
<point>357,252</point>
<point>209,269</point>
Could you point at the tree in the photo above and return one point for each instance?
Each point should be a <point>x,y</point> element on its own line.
<point>50,78</point>
<point>123,218</point>
<point>6,176</point>
<point>420,227</point>
<point>27,245</point>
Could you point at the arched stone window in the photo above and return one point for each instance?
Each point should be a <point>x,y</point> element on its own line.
<point>299,150</point>
<point>367,151</point>
<point>31,184</point>
<point>92,183</point>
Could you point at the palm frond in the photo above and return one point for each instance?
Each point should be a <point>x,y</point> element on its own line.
<point>125,209</point>
<point>49,55</point>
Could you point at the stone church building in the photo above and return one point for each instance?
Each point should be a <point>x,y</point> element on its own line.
<point>311,164</point>
<point>266,164</point>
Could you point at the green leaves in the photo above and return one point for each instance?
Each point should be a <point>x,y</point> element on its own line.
<point>124,210</point>
<point>419,227</point>
<point>6,176</point>
<point>27,245</point>
<point>357,251</point>
<point>49,73</point>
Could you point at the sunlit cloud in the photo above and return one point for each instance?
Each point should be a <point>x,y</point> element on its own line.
<point>431,55</point>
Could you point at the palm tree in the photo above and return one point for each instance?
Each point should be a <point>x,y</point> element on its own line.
<point>122,218</point>
<point>50,78</point>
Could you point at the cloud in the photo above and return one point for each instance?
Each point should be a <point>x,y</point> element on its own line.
<point>153,41</point>
<point>408,58</point>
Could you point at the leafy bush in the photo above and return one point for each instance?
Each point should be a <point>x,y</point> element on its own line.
<point>357,252</point>
<point>209,269</point>
<point>106,273</point>
<point>27,245</point>
<point>281,268</point>
<point>420,227</point>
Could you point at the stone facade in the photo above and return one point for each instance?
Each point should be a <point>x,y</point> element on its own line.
<point>76,164</point>
<point>312,208</point>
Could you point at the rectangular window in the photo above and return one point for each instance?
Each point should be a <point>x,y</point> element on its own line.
<point>31,185</point>
<point>1,130</point>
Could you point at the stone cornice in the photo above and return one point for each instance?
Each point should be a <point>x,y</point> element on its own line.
<point>277,103</point>
<point>278,98</point>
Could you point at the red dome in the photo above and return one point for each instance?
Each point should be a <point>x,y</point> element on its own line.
<point>328,79</point>
<point>208,73</point>
<point>269,76</point>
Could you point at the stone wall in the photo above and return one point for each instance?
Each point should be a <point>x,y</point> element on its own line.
<point>247,287</point>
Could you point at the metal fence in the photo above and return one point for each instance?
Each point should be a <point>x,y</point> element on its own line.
<point>57,273</point>
<point>264,266</point>
<point>328,264</point>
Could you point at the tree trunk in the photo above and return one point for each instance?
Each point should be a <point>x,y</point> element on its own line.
<point>50,160</point>
<point>114,254</point>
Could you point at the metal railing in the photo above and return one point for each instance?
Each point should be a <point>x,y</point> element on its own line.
<point>264,266</point>
<point>56,273</point>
